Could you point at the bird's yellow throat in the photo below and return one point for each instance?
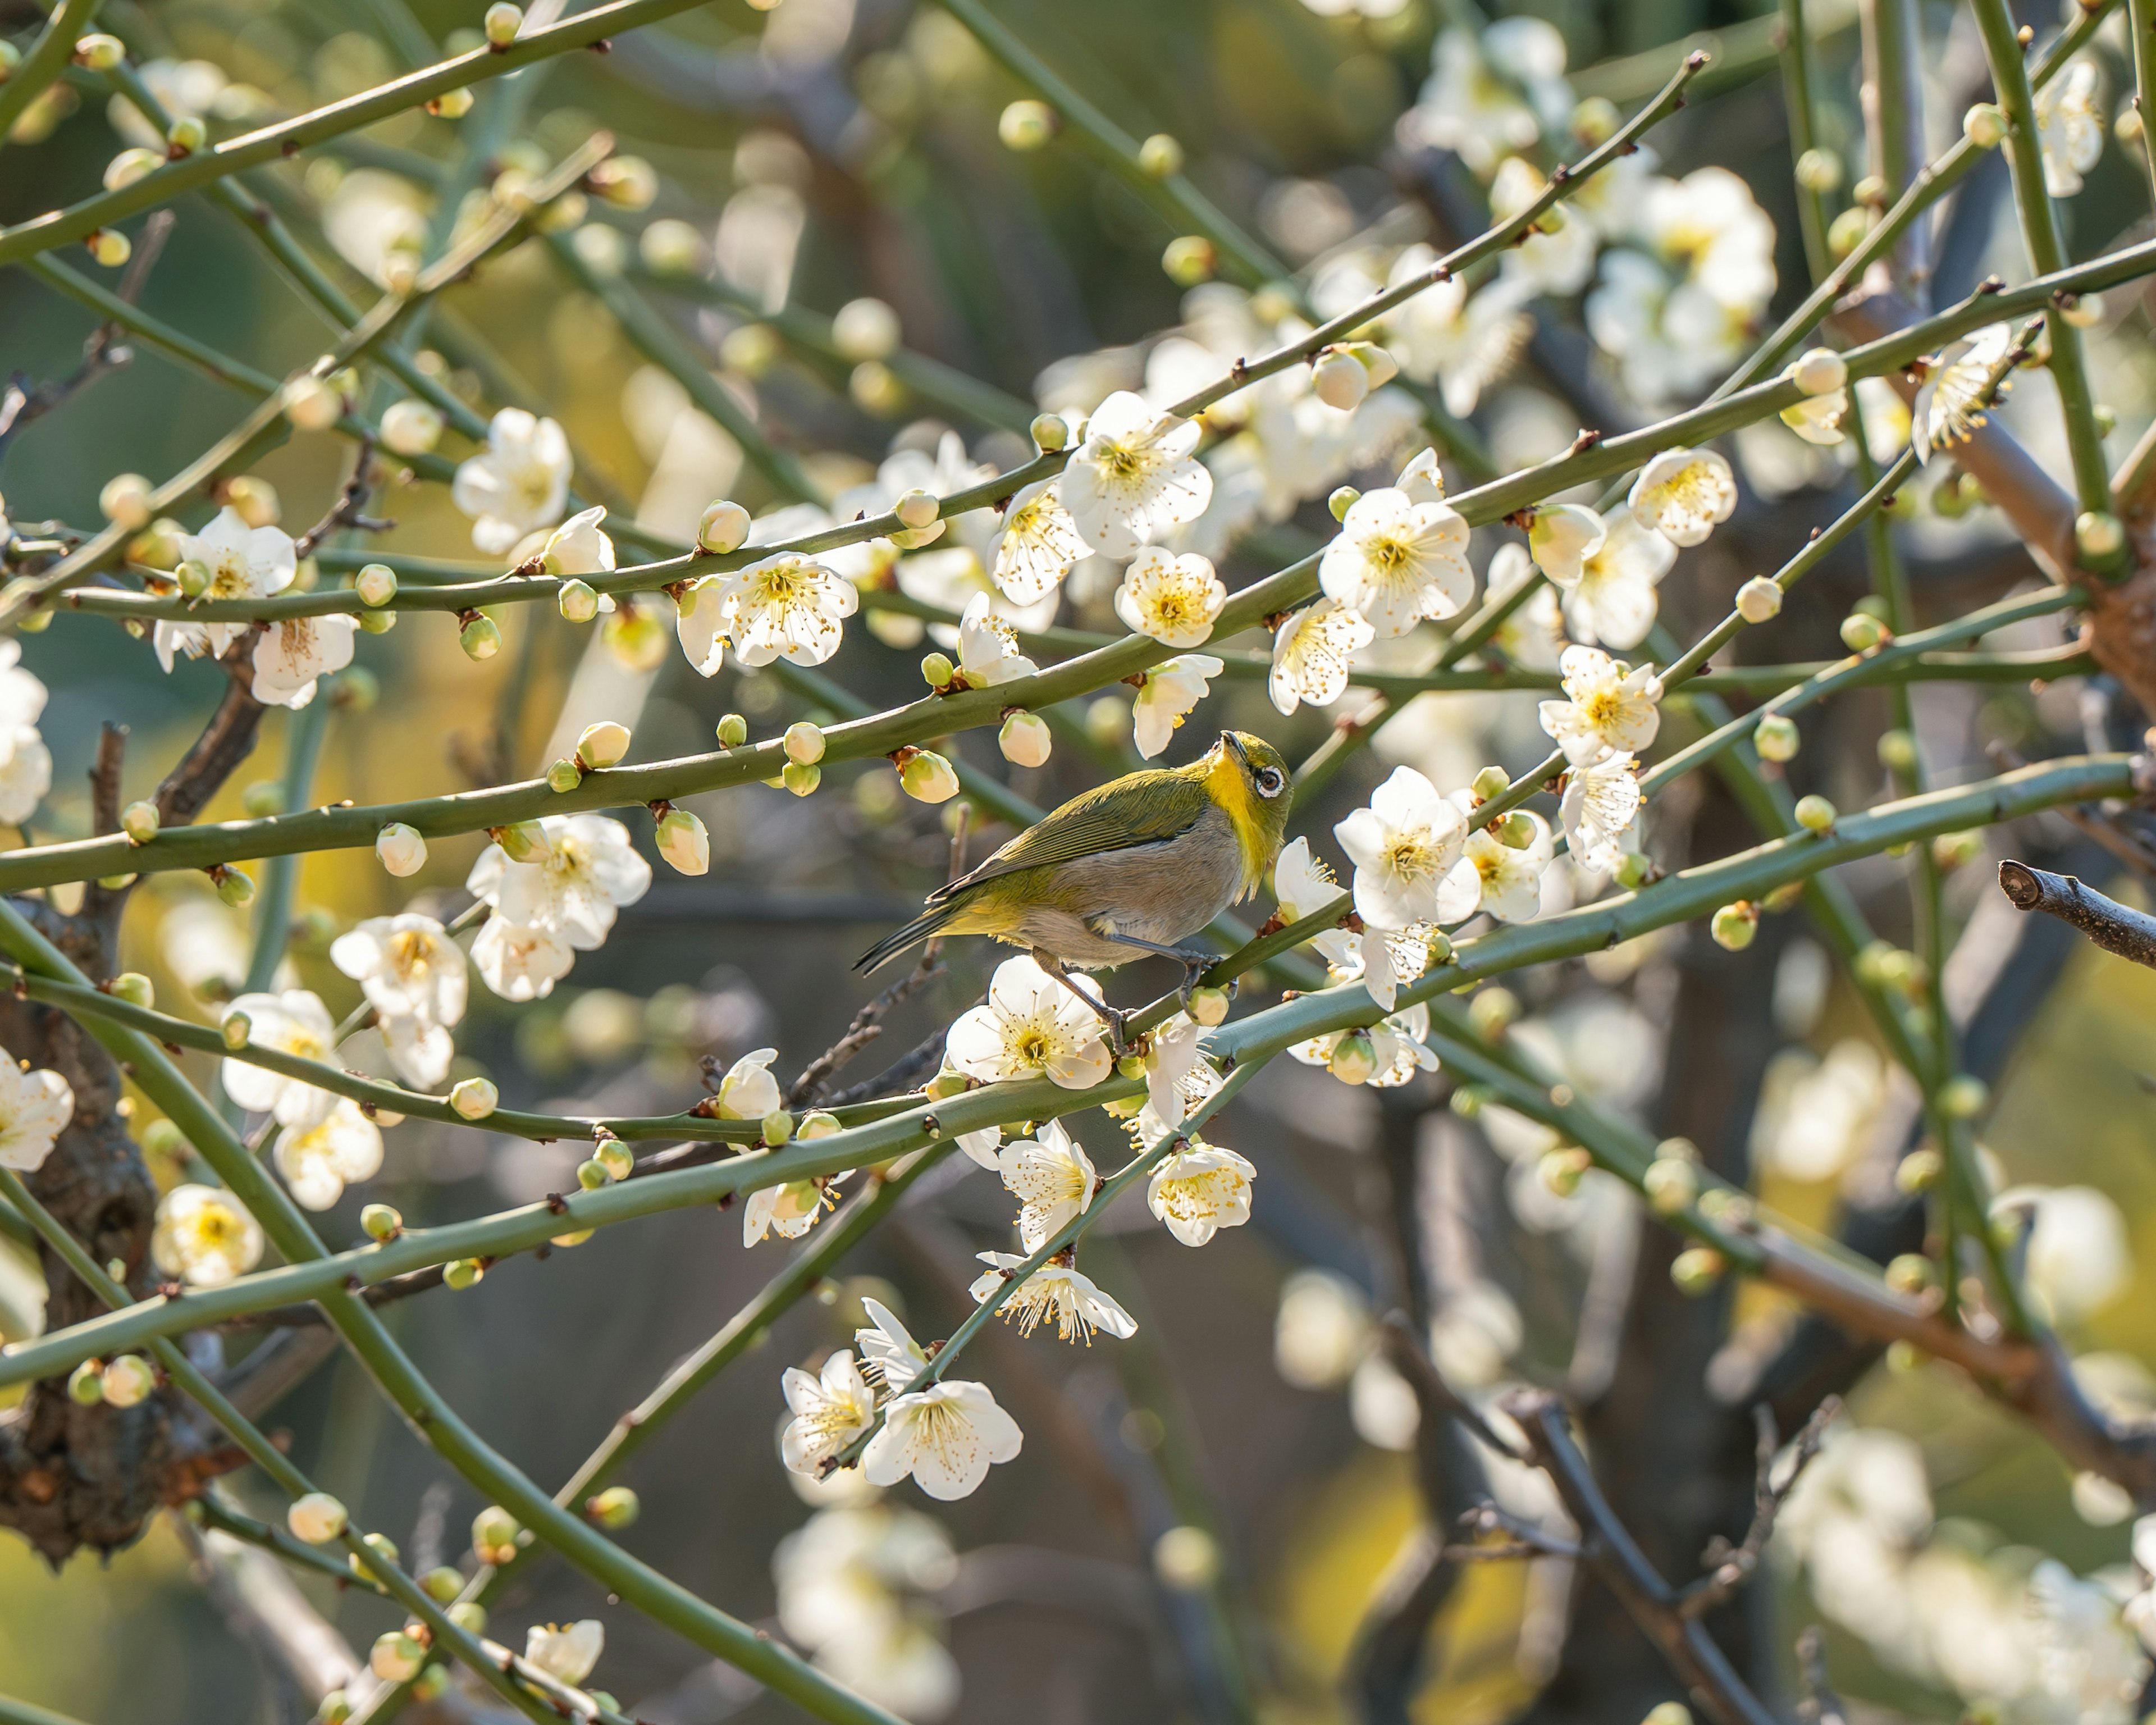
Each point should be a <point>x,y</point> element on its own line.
<point>1229,786</point>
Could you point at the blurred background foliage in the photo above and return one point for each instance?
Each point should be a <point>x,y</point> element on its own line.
<point>824,151</point>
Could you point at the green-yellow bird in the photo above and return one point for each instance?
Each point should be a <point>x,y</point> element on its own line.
<point>1133,867</point>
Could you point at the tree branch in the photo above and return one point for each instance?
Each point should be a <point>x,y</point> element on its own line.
<point>2114,926</point>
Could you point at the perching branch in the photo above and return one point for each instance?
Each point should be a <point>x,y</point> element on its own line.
<point>2114,926</point>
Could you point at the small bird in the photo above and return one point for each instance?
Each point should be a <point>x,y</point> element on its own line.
<point>1130,868</point>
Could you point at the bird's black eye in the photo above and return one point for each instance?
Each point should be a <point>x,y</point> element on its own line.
<point>1270,781</point>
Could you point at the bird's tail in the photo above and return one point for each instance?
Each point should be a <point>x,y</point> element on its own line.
<point>911,935</point>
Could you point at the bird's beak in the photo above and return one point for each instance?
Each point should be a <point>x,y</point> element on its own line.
<point>1229,741</point>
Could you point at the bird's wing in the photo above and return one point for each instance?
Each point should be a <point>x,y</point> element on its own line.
<point>1138,808</point>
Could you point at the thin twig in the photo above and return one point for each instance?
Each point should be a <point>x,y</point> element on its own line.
<point>1733,1565</point>
<point>2116,927</point>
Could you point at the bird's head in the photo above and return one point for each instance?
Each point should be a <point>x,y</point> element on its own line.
<point>1249,778</point>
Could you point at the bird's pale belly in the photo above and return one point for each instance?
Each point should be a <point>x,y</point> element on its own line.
<point>1160,893</point>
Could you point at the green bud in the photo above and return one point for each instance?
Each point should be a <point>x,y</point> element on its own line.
<point>380,1546</point>
<point>1919,1171</point>
<point>1354,1058</point>
<point>1344,499</point>
<point>593,1174</point>
<point>563,777</point>
<point>1130,1066</point>
<point>579,601</point>
<point>732,731</point>
<point>140,822</point>
<point>1492,1012</point>
<point>1562,1170</point>
<point>1160,157</point>
<point>262,799</point>
<point>801,780</point>
<point>1050,432</point>
<point>602,744</point>
<point>396,1657</point>
<point>479,637</point>
<point>615,1157</point>
<point>1190,260</point>
<point>135,989</point>
<point>234,887</point>
<point>431,1684</point>
<point>818,1125</point>
<point>1897,751</point>
<point>86,1383</point>
<point>1697,1269</point>
<point>1209,1006</point>
<point>469,1616</point>
<point>1492,782</point>
<point>495,1535</point>
<point>1965,1097</point>
<point>475,1098</point>
<point>1910,1273</point>
<point>1671,1184</point>
<point>1860,633</point>
<point>1634,869</point>
<point>375,584</point>
<point>357,688</point>
<point>462,1273</point>
<point>377,622</point>
<point>1668,1712</point>
<point>1517,832</point>
<point>804,743</point>
<point>194,576</point>
<point>613,1508</point>
<point>162,1139</point>
<point>1733,926</point>
<point>1846,232</point>
<point>936,671</point>
<point>947,1083</point>
<point>776,1128</point>
<point>381,1221</point>
<point>2098,537</point>
<point>236,1029</point>
<point>522,841</point>
<point>1815,813</point>
<point>1027,125</point>
<point>1775,736</point>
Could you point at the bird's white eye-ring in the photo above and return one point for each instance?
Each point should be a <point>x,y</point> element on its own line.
<point>1270,781</point>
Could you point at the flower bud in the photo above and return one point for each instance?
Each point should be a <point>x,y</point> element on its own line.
<point>233,886</point>
<point>462,1273</point>
<point>801,780</point>
<point>311,404</point>
<point>615,1157</point>
<point>378,1545</point>
<point>927,777</point>
<point>109,246</point>
<point>236,1028</point>
<point>1697,1269</point>
<point>128,501</point>
<point>522,841</point>
<point>317,1517</point>
<point>475,1098</point>
<point>1919,1171</point>
<point>135,989</point>
<point>1759,600</point>
<point>1821,372</point>
<point>1671,1183</point>
<point>140,822</point>
<point>1027,125</point>
<point>1209,1006</point>
<point>1130,1066</point>
<point>193,577</point>
<point>1343,500</point>
<point>1050,432</point>
<point>671,247</point>
<point>732,731</point>
<point>603,744</point>
<point>1775,736</point>
<point>1846,232</point>
<point>865,328</point>
<point>1897,751</point>
<point>591,1174</point>
<point>99,52</point>
<point>495,1535</point>
<point>1160,156</point>
<point>1354,1058</point>
<point>723,526</point>
<point>936,671</point>
<point>1860,633</point>
<point>1561,1170</point>
<point>1489,783</point>
<point>684,842</point>
<point>1337,379</point>
<point>1984,125</point>
<point>332,1709</point>
<point>502,21</point>
<point>613,1508</point>
<point>401,849</point>
<point>86,1384</point>
<point>776,1128</point>
<point>130,165</point>
<point>480,636</point>
<point>804,743</point>
<point>375,584</point>
<point>381,1222</point>
<point>1815,813</point>
<point>1962,1097</point>
<point>265,798</point>
<point>563,777</point>
<point>2084,311</point>
<point>411,427</point>
<point>1492,1012</point>
<point>1190,260</point>
<point>625,181</point>
<point>2098,537</point>
<point>1909,1273</point>
<point>442,1583</point>
<point>1516,832</point>
<point>1025,740</point>
<point>396,1657</point>
<point>818,1125</point>
<point>1819,169</point>
<point>1733,926</point>
<point>468,1614</point>
<point>1668,1712</point>
<point>917,508</point>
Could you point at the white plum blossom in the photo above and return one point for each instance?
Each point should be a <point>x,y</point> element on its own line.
<point>518,963</point>
<point>568,1653</point>
<point>1055,1293</point>
<point>204,1236</point>
<point>1820,419</point>
<point>1950,408</point>
<point>1610,595</point>
<point>2070,125</point>
<point>319,1161</point>
<point>786,607</point>
<point>1472,106</point>
<point>1135,478</point>
<point>1501,879</point>
<point>35,1108</point>
<point>830,1411</point>
<point>1464,344</point>
<point>578,546</point>
<point>1683,495</point>
<point>1399,1046</point>
<point>1396,561</point>
<point>890,1356</point>
<point>790,1208</point>
<point>1304,884</point>
<point>1170,1063</point>
<point>1609,707</point>
<point>587,872</point>
<point>1600,804</point>
<point>946,1436</point>
<point>988,647</point>
<point>293,653</point>
<point>849,1582</point>
<point>413,976</point>
<point>296,1022</point>
<point>1173,688</point>
<point>1038,544</point>
<point>1561,536</point>
<point>1312,653</point>
<point>1031,1026</point>
<point>1543,263</point>
<point>26,772</point>
<point>1174,600</point>
<point>1402,845</point>
<point>748,1091</point>
<point>518,483</point>
<point>1199,1189</point>
<point>1052,1178</point>
<point>243,563</point>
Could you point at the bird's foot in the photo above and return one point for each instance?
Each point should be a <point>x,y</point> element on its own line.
<point>1114,1021</point>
